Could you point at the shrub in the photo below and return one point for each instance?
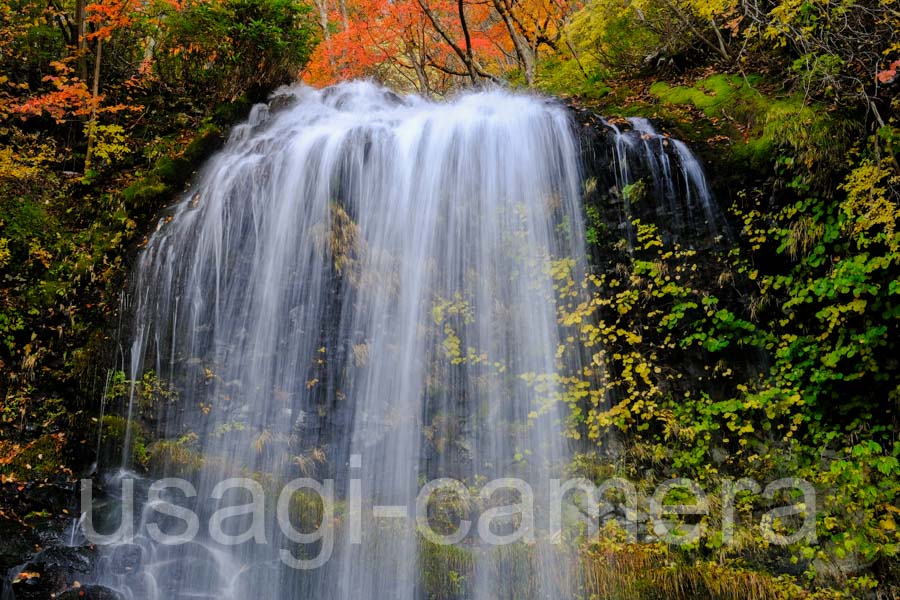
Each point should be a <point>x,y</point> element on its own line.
<point>223,50</point>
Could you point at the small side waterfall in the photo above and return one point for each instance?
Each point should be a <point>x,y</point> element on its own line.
<point>675,178</point>
<point>359,289</point>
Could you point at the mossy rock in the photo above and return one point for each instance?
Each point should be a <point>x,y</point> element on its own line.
<point>39,459</point>
<point>114,432</point>
<point>209,139</point>
<point>146,192</point>
<point>173,171</point>
<point>174,457</point>
<point>760,124</point>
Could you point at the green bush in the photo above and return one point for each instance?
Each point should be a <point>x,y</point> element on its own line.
<point>224,50</point>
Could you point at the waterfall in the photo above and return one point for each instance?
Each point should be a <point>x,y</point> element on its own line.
<point>358,288</point>
<point>675,178</point>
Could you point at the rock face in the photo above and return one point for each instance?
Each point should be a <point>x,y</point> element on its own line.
<point>51,572</point>
<point>16,542</point>
<point>634,172</point>
<point>89,592</point>
<point>32,519</point>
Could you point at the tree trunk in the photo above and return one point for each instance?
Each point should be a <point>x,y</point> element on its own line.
<point>470,64</point>
<point>322,7</point>
<point>343,6</point>
<point>472,69</point>
<point>524,53</point>
<point>92,123</point>
<point>417,60</point>
<point>79,39</point>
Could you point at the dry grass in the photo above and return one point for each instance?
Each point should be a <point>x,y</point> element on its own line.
<point>644,571</point>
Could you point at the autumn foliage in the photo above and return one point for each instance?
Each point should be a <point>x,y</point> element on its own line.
<point>432,45</point>
<point>99,103</point>
<point>90,67</point>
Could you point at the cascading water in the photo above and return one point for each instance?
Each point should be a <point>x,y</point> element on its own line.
<point>674,175</point>
<point>359,289</point>
<point>362,289</point>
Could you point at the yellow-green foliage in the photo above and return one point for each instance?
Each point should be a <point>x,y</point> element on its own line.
<point>568,78</point>
<point>110,143</point>
<point>604,36</point>
<point>26,157</point>
<point>650,571</point>
<point>149,394</point>
<point>614,38</point>
<point>634,381</point>
<point>4,251</point>
<point>832,51</point>
<point>871,202</point>
<point>728,363</point>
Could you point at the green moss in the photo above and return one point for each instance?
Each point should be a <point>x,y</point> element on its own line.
<point>760,124</point>
<point>446,569</point>
<point>146,192</point>
<point>717,96</point>
<point>209,139</point>
<point>39,459</point>
<point>306,510</point>
<point>114,432</point>
<point>171,172</point>
<point>231,112</point>
<point>174,171</point>
<point>174,457</point>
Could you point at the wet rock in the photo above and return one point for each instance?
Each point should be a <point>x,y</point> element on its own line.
<point>719,455</point>
<point>32,515</point>
<point>16,542</point>
<point>89,592</point>
<point>126,558</point>
<point>256,577</point>
<point>186,571</point>
<point>393,98</point>
<point>51,572</point>
<point>281,102</point>
<point>23,499</point>
<point>606,511</point>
